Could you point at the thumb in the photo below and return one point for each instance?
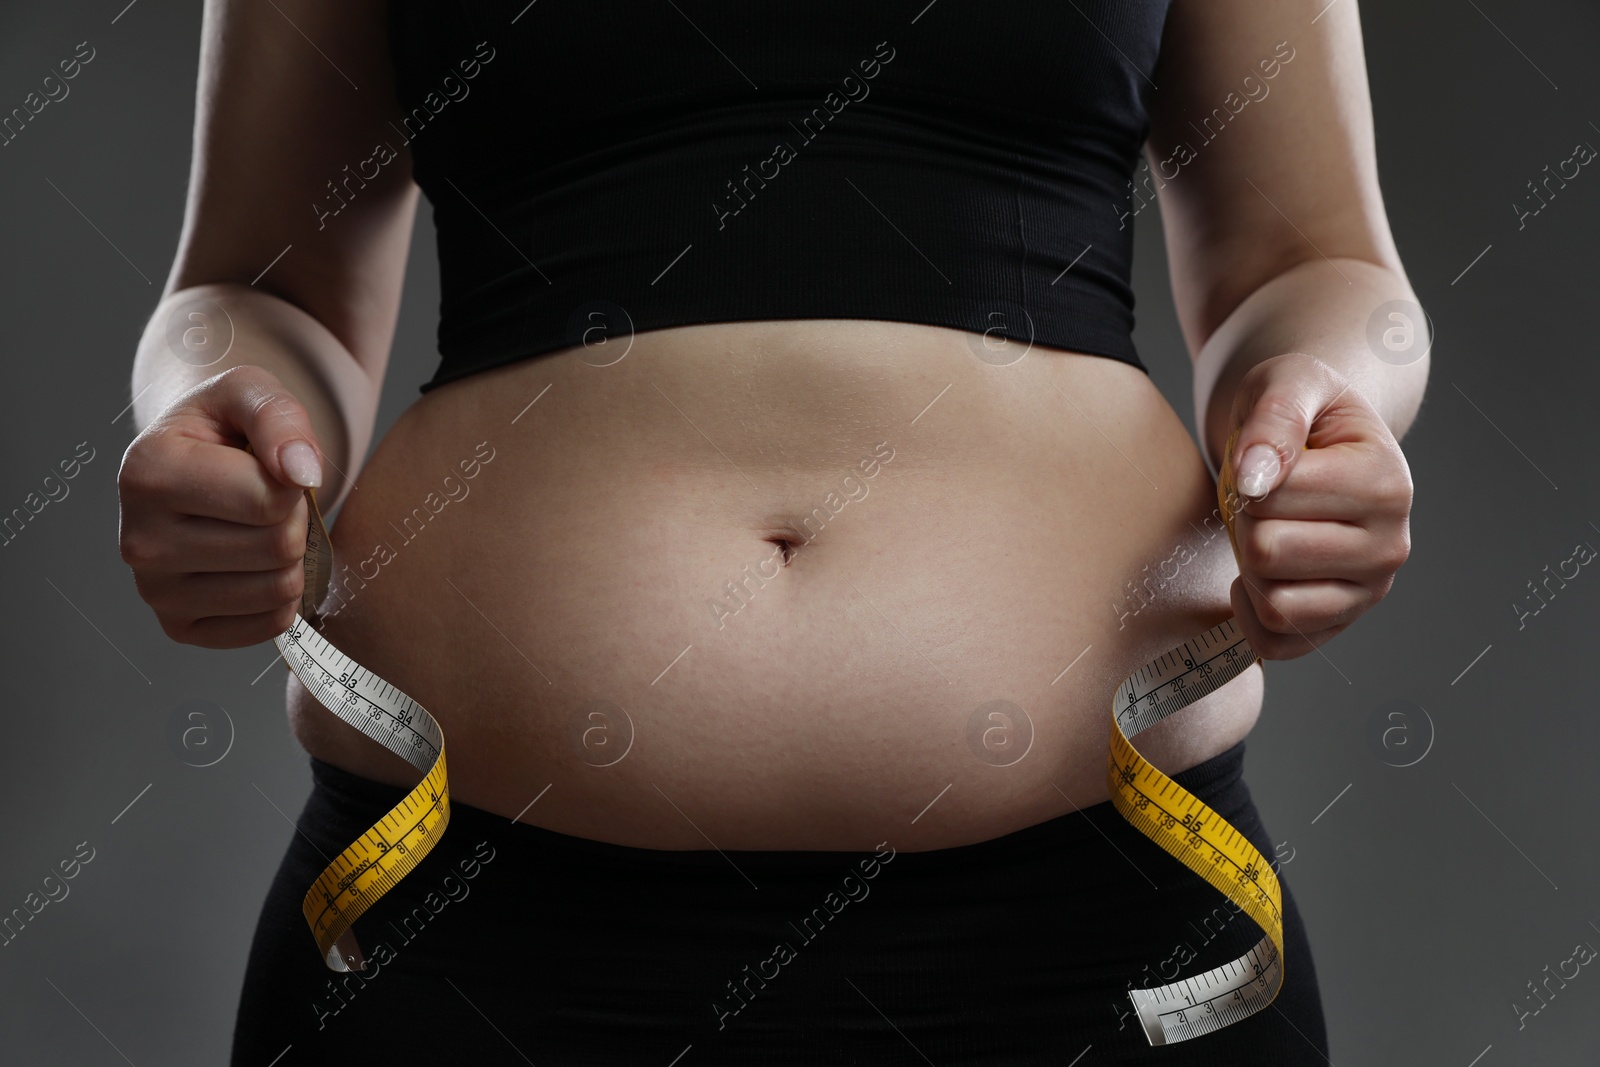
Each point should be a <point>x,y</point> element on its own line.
<point>254,403</point>
<point>1274,408</point>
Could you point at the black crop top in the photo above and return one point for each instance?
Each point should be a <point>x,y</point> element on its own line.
<point>598,166</point>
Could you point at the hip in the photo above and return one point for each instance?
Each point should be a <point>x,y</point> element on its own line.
<point>1019,949</point>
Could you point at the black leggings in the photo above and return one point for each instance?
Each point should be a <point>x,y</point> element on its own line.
<point>513,944</point>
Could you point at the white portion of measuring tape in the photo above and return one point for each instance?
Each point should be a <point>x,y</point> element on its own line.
<point>1194,1006</point>
<point>361,698</point>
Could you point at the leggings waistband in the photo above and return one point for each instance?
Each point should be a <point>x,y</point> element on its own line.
<point>1217,781</point>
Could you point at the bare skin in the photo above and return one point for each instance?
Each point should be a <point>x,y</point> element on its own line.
<point>832,702</point>
<point>974,528</point>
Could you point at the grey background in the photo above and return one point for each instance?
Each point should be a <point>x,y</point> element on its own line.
<point>1427,919</point>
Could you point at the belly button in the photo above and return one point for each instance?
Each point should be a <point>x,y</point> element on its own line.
<point>786,546</point>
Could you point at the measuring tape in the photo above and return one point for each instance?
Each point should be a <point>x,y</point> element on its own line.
<point>383,855</point>
<point>1154,804</point>
<point>1181,823</point>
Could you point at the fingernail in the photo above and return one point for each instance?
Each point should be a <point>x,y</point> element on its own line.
<point>300,463</point>
<point>1258,468</point>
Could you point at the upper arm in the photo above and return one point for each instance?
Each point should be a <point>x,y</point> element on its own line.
<point>294,100</point>
<point>1261,143</point>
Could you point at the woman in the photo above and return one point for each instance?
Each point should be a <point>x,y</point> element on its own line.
<point>719,533</point>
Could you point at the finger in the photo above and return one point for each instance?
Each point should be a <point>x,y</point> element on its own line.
<point>1305,607</point>
<point>164,542</point>
<point>211,480</point>
<point>253,403</point>
<point>1302,550</point>
<point>1277,406</point>
<point>202,545</point>
<point>197,596</point>
<point>234,631</point>
<point>1350,483</point>
<point>1269,644</point>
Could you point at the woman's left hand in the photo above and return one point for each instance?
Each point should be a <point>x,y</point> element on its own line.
<point>1326,505</point>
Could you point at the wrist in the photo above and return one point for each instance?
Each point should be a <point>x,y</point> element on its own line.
<point>200,331</point>
<point>1323,307</point>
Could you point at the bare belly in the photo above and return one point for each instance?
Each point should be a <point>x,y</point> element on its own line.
<point>760,586</point>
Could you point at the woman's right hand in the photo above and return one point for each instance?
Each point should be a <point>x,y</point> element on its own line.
<point>214,534</point>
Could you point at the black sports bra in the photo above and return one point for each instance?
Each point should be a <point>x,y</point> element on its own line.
<point>598,166</point>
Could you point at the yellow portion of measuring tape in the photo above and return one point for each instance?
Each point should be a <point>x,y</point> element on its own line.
<point>1189,830</point>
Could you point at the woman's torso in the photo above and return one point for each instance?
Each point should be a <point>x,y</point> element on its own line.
<point>601,616</point>
<point>602,619</point>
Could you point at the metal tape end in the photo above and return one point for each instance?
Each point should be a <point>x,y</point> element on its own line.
<point>1148,1017</point>
<point>346,954</point>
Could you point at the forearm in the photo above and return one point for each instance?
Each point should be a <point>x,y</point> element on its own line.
<point>1321,308</point>
<point>178,351</point>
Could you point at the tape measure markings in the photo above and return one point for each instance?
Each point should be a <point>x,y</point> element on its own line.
<point>389,712</point>
<point>1261,906</point>
<point>1248,992</point>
